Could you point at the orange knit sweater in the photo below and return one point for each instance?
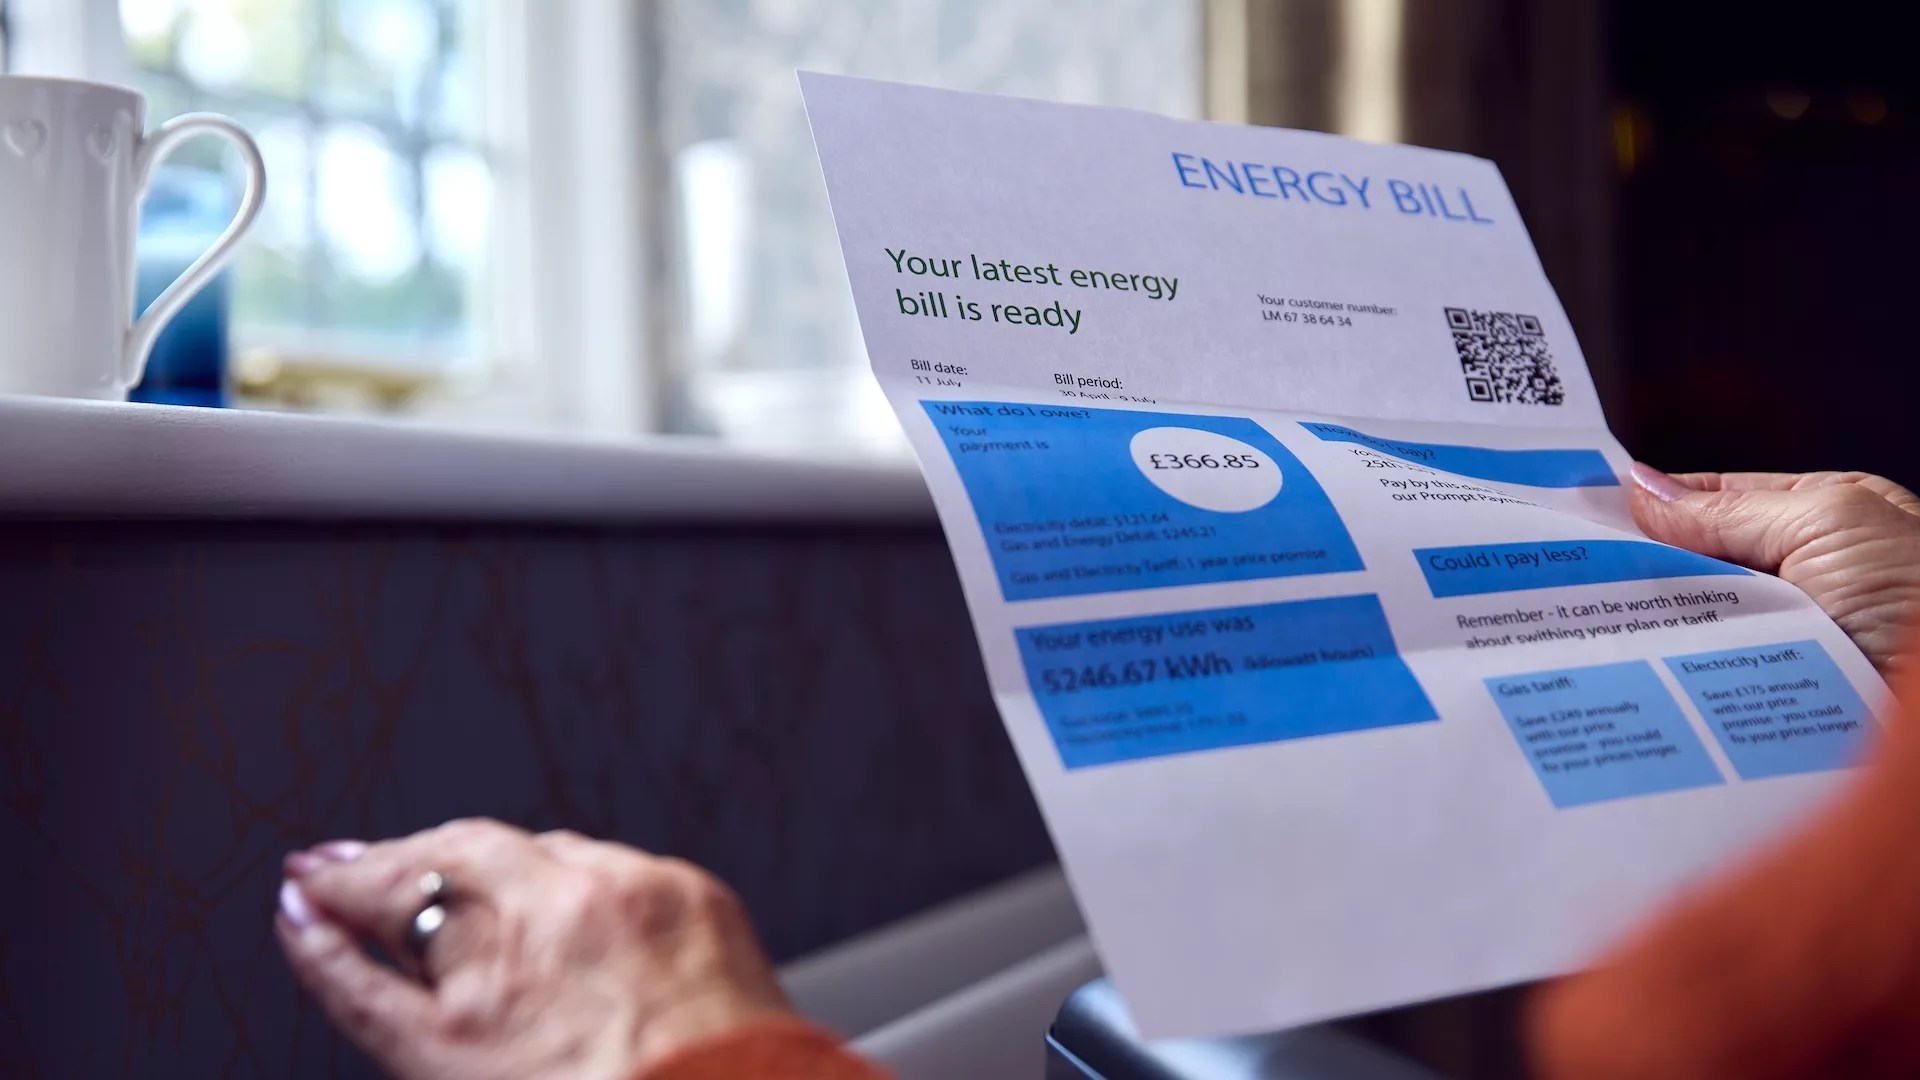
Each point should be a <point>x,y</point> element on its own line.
<point>787,1049</point>
<point>1802,964</point>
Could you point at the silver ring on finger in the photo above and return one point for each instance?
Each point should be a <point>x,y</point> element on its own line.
<point>436,892</point>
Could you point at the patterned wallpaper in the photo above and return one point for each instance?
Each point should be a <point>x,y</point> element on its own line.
<point>803,712</point>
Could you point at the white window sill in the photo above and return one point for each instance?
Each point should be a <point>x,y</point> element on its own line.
<point>90,459</point>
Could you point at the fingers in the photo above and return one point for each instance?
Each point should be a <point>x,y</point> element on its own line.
<point>1888,490</point>
<point>1737,481</point>
<point>381,1011</point>
<point>1756,529</point>
<point>1762,520</point>
<point>1778,481</point>
<point>377,893</point>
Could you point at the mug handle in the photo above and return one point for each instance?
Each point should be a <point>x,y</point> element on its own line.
<point>153,150</point>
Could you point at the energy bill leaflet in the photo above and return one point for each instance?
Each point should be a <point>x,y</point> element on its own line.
<point>1297,549</point>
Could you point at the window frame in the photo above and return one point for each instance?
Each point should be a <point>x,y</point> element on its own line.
<point>413,145</point>
<point>560,313</point>
<point>582,308</point>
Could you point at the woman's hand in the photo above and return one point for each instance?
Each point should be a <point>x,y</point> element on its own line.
<point>1849,540</point>
<point>559,956</point>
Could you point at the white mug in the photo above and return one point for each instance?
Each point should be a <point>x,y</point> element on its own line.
<point>75,163</point>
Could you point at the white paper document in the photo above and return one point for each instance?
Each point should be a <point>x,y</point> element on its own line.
<point>1298,552</point>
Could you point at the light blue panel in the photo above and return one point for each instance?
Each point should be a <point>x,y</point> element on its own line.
<point>1776,709</point>
<point>1610,731</point>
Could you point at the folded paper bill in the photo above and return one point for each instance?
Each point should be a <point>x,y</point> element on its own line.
<point>1298,552</point>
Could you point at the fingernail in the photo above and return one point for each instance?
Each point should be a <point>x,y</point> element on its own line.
<point>340,850</point>
<point>293,904</point>
<point>1656,483</point>
<point>299,864</point>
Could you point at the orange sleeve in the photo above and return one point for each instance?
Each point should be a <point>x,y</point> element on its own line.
<point>1802,964</point>
<point>785,1049</point>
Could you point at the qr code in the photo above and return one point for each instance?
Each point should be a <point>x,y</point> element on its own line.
<point>1504,357</point>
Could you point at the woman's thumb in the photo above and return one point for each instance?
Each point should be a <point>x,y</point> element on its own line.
<point>1755,528</point>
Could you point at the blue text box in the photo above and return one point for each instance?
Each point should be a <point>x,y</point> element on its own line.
<point>1776,709</point>
<point>1610,731</point>
<point>1545,468</point>
<point>1125,689</point>
<point>1474,569</point>
<point>1066,512</point>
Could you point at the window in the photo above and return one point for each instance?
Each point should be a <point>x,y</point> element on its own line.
<point>774,352</point>
<point>375,232</point>
<point>370,280</point>
<point>575,215</point>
